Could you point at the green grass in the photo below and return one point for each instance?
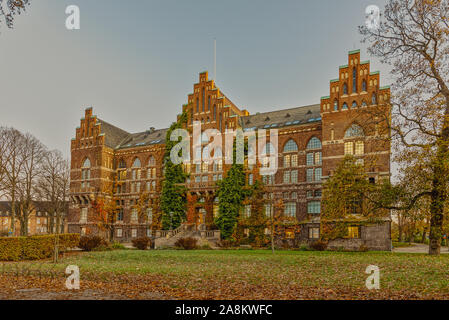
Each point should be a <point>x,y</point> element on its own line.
<point>398,271</point>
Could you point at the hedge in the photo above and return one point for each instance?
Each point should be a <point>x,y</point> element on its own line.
<point>34,247</point>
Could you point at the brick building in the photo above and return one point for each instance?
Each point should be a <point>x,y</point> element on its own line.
<point>312,141</point>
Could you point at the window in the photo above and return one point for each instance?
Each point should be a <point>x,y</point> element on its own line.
<point>85,174</point>
<point>314,207</point>
<point>268,210</point>
<point>151,161</point>
<point>289,234</point>
<point>134,233</point>
<point>354,104</point>
<point>359,148</point>
<point>204,98</point>
<point>136,163</point>
<point>197,105</point>
<point>294,160</point>
<point>314,143</point>
<point>294,176</point>
<point>247,211</point>
<point>83,215</point>
<point>286,161</point>
<point>364,85</point>
<point>317,158</point>
<point>345,106</point>
<point>286,176</point>
<point>372,180</point>
<point>309,175</point>
<point>364,104</point>
<point>208,104</point>
<point>204,167</point>
<point>215,112</point>
<point>349,148</point>
<point>250,179</point>
<point>294,195</point>
<point>335,105</point>
<point>309,194</point>
<point>354,131</point>
<point>318,193</point>
<point>205,178</point>
<point>120,215</point>
<point>353,232</point>
<point>373,99</point>
<point>134,216</point>
<point>290,146</point>
<point>314,233</point>
<point>119,233</point>
<point>122,164</point>
<point>318,174</point>
<point>345,88</point>
<point>290,209</point>
<point>354,80</point>
<point>309,159</point>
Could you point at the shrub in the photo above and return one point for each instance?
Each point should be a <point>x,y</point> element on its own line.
<point>35,247</point>
<point>118,246</point>
<point>89,243</point>
<point>186,243</point>
<point>319,245</point>
<point>141,243</point>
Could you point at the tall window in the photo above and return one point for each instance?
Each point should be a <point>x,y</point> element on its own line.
<point>151,161</point>
<point>208,103</point>
<point>85,173</point>
<point>83,215</point>
<point>215,112</point>
<point>204,98</point>
<point>354,132</point>
<point>345,106</point>
<point>354,104</point>
<point>354,80</point>
<point>136,169</point>
<point>373,99</point>
<point>335,105</point>
<point>197,105</point>
<point>364,85</point>
<point>290,209</point>
<point>345,88</point>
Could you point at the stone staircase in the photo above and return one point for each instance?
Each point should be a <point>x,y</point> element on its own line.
<point>168,238</point>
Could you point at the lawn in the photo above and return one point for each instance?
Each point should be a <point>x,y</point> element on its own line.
<point>259,274</point>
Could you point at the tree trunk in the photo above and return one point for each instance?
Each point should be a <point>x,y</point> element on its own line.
<point>438,198</point>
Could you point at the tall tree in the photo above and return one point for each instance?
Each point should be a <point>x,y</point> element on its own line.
<point>413,38</point>
<point>33,154</point>
<point>52,188</point>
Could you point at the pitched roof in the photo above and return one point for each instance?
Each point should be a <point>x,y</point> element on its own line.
<point>149,137</point>
<point>113,135</point>
<point>282,118</point>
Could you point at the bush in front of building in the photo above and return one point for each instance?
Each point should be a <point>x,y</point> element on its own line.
<point>141,243</point>
<point>35,247</point>
<point>89,243</point>
<point>186,243</point>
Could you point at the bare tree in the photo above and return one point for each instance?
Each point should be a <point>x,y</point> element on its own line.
<point>413,38</point>
<point>33,153</point>
<point>52,189</point>
<point>12,164</point>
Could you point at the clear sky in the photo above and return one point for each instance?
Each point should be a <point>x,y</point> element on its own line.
<point>135,61</point>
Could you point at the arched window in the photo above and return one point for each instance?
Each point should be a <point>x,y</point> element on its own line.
<point>354,104</point>
<point>136,163</point>
<point>314,143</point>
<point>335,105</point>
<point>345,88</point>
<point>354,80</point>
<point>373,99</point>
<point>85,173</point>
<point>197,105</point>
<point>86,163</point>
<point>354,131</point>
<point>364,85</point>
<point>151,161</point>
<point>208,103</point>
<point>290,146</point>
<point>215,112</point>
<point>364,103</point>
<point>345,106</point>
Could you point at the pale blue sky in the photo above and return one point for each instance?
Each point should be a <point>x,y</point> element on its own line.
<point>135,61</point>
